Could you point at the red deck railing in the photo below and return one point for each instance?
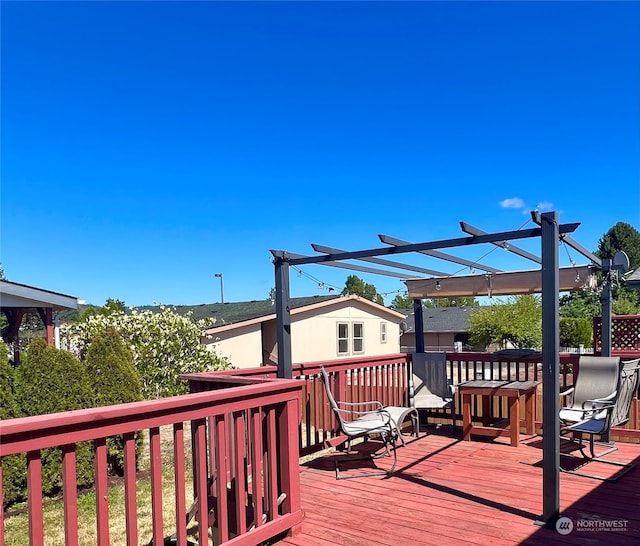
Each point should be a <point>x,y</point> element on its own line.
<point>243,426</point>
<point>385,378</point>
<point>246,434</point>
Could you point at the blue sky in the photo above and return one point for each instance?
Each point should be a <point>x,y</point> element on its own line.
<point>147,146</point>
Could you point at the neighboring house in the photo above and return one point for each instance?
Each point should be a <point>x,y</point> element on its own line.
<point>322,328</point>
<point>445,329</point>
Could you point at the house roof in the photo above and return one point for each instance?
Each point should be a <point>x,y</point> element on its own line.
<point>232,315</point>
<point>633,280</point>
<point>440,319</point>
<point>23,296</point>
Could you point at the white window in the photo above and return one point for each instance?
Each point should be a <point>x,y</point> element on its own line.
<point>383,332</point>
<point>358,337</point>
<point>343,338</point>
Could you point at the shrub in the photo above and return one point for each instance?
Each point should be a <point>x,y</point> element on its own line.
<point>14,467</point>
<point>115,380</point>
<point>49,380</point>
<point>164,345</point>
<point>575,332</point>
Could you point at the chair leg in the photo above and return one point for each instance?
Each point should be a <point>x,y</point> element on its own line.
<point>387,438</point>
<point>591,457</point>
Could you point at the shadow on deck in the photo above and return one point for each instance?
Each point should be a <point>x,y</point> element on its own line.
<point>447,491</point>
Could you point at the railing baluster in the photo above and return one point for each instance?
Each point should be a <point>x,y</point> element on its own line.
<point>70,494</point>
<point>180,479</point>
<point>131,509</point>
<point>34,484</point>
<point>257,466</point>
<point>239,432</point>
<point>156,485</point>
<point>271,463</point>
<point>200,473</point>
<point>102,492</point>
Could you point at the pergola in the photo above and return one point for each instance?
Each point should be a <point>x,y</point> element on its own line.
<point>549,280</point>
<point>16,300</point>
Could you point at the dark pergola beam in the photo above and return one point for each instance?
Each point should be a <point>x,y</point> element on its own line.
<point>577,246</point>
<point>468,228</point>
<point>297,257</point>
<point>441,255</point>
<point>387,263</point>
<point>536,217</point>
<point>419,247</point>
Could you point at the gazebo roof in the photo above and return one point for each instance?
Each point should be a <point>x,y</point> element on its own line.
<point>14,295</point>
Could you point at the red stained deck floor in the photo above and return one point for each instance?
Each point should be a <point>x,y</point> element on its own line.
<point>446,491</point>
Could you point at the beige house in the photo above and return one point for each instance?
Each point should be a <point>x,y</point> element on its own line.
<point>323,328</point>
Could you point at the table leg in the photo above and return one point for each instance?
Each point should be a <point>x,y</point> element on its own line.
<point>466,417</point>
<point>530,413</point>
<point>514,422</point>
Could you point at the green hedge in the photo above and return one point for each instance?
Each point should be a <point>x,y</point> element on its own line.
<point>14,467</point>
<point>115,380</point>
<point>575,332</point>
<point>49,380</point>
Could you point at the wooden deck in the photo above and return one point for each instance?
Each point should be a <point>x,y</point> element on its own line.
<point>446,491</point>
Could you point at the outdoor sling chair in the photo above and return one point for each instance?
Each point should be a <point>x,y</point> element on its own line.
<point>600,415</point>
<point>429,387</point>
<point>365,419</point>
<point>597,379</point>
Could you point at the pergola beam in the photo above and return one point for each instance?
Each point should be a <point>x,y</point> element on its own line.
<point>379,261</point>
<point>441,255</point>
<point>353,267</point>
<point>468,228</point>
<point>536,217</point>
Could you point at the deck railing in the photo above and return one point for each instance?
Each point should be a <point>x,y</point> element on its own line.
<point>246,435</point>
<point>243,427</point>
<point>385,378</point>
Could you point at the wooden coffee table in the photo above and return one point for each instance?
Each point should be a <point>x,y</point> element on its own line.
<point>512,390</point>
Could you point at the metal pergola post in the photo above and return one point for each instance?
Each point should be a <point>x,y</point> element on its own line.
<point>418,325</point>
<point>283,316</point>
<point>605,300</point>
<point>550,370</point>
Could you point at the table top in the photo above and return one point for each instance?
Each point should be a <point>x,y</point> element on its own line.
<point>500,385</point>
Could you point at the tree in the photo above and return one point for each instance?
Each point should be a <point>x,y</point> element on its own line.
<point>2,277</point>
<point>402,302</point>
<point>586,303</point>
<point>49,380</point>
<point>518,322</point>
<point>115,380</point>
<point>164,345</point>
<point>355,285</point>
<point>14,467</point>
<point>623,237</point>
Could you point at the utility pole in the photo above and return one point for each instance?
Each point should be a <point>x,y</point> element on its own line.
<point>219,275</point>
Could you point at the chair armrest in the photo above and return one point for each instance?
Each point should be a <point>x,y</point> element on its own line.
<point>376,405</point>
<point>568,391</point>
<point>600,402</point>
<point>386,416</point>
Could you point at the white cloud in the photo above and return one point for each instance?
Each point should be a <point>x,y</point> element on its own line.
<point>544,205</point>
<point>512,203</point>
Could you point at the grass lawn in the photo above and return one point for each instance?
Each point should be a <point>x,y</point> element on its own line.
<point>17,519</point>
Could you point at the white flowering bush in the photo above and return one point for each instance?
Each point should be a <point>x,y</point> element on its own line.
<point>164,344</point>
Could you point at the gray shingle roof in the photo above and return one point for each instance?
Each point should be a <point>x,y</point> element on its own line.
<point>230,313</point>
<point>442,319</point>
